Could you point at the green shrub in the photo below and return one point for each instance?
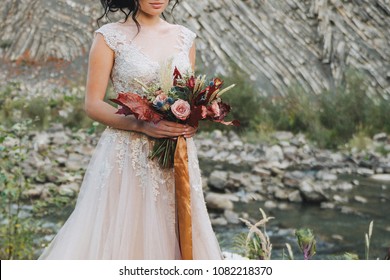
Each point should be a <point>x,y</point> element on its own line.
<point>17,230</point>
<point>244,102</point>
<point>66,107</point>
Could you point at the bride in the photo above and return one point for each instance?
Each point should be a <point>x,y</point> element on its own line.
<point>126,207</point>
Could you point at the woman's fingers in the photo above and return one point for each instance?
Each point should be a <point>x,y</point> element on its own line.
<point>190,132</point>
<point>163,131</point>
<point>171,128</point>
<point>167,129</point>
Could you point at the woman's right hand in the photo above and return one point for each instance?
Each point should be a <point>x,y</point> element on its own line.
<point>164,129</point>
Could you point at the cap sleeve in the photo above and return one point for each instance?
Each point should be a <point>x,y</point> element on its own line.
<point>111,36</point>
<point>188,38</point>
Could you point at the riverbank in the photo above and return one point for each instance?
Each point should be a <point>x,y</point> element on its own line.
<point>285,175</point>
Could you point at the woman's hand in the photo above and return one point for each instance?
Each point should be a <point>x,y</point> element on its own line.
<point>190,131</point>
<point>167,129</point>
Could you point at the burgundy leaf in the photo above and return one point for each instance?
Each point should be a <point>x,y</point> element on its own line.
<point>137,105</point>
<point>195,116</point>
<point>234,123</point>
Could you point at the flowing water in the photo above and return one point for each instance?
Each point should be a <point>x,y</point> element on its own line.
<point>337,230</point>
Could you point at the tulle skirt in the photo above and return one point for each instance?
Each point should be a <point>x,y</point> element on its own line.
<point>126,207</point>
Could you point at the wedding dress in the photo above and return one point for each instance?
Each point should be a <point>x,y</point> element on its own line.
<point>126,205</point>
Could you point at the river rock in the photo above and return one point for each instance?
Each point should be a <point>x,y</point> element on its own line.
<point>233,159</point>
<point>209,153</point>
<point>35,191</point>
<point>326,176</point>
<point>343,186</point>
<point>381,177</point>
<point>312,192</point>
<point>243,179</point>
<point>283,135</point>
<point>59,138</point>
<point>380,137</point>
<point>218,179</point>
<point>269,204</point>
<point>217,135</point>
<point>69,189</point>
<point>355,182</point>
<point>41,142</point>
<point>290,152</point>
<point>274,153</point>
<point>75,162</point>
<point>219,221</point>
<point>365,172</point>
<point>219,201</point>
<point>293,179</point>
<point>295,196</point>
<point>231,217</point>
<point>281,194</point>
<point>327,205</point>
<point>46,192</point>
<point>360,199</point>
<point>298,141</point>
<point>340,199</point>
<point>232,256</point>
<point>348,210</point>
<point>233,136</point>
<point>259,170</point>
<point>221,156</point>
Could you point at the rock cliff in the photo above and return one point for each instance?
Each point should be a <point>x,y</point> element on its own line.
<point>279,44</point>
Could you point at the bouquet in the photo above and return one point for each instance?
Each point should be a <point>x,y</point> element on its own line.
<point>185,99</point>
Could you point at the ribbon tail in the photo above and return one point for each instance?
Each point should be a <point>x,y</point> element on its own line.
<point>183,198</point>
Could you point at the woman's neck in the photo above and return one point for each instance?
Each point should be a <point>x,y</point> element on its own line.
<point>148,20</point>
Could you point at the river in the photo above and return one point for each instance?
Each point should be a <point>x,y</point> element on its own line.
<point>337,230</point>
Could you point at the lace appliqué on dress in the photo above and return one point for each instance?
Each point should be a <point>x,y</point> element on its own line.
<point>132,63</point>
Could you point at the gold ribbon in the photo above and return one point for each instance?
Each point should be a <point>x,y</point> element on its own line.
<point>183,198</point>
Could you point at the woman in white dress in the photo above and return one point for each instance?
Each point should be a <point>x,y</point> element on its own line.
<point>126,206</point>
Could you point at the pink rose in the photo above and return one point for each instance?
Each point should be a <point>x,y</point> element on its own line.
<point>181,109</point>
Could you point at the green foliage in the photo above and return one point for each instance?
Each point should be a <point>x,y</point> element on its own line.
<point>257,245</point>
<point>17,228</point>
<point>359,141</point>
<point>244,103</point>
<point>329,119</point>
<point>66,107</point>
<point>306,241</point>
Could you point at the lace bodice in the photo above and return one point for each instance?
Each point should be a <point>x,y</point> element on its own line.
<point>146,54</point>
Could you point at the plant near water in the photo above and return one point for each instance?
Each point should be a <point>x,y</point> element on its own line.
<point>368,239</point>
<point>289,251</point>
<point>257,243</point>
<point>17,228</point>
<point>306,241</point>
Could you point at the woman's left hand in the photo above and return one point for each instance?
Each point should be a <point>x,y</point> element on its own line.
<point>190,131</point>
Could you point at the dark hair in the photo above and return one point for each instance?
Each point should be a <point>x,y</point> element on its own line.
<point>127,7</point>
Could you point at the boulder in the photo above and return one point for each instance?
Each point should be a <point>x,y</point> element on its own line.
<point>219,201</point>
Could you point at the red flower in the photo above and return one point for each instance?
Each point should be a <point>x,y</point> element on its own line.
<point>191,83</point>
<point>176,75</point>
<point>218,83</point>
